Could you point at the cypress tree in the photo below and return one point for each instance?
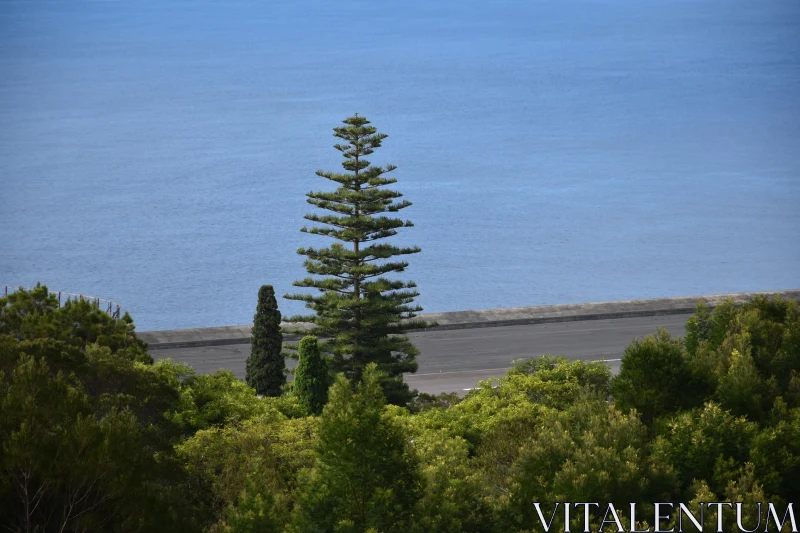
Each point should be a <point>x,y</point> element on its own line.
<point>265,366</point>
<point>311,378</point>
<point>359,310</point>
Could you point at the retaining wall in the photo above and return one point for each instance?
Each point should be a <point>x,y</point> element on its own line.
<point>513,316</point>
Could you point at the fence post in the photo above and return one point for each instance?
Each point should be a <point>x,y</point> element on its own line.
<point>95,300</point>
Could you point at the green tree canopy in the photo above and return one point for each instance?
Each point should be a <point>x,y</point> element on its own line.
<point>749,356</point>
<point>36,314</point>
<point>366,475</point>
<point>85,439</point>
<point>707,444</point>
<point>654,394</point>
<point>95,438</point>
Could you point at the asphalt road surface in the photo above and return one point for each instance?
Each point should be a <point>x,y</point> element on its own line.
<point>455,360</point>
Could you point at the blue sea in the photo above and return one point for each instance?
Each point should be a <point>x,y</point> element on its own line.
<point>157,153</point>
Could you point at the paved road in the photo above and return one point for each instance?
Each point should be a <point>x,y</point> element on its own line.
<point>455,360</point>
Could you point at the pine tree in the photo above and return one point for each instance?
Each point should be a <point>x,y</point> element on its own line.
<point>359,312</point>
<point>265,366</point>
<point>311,377</point>
<point>367,474</point>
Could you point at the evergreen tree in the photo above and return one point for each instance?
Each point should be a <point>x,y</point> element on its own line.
<point>85,431</point>
<point>36,314</point>
<point>311,377</point>
<point>359,310</point>
<point>367,475</point>
<point>674,387</point>
<point>265,366</point>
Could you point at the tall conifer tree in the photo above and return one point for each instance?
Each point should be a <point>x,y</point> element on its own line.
<point>265,366</point>
<point>359,310</point>
<point>311,377</point>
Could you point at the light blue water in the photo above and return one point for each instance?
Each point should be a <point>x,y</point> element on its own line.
<point>157,152</point>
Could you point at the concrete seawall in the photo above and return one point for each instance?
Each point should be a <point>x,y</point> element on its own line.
<point>218,336</point>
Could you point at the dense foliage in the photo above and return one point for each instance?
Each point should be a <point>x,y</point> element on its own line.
<point>36,314</point>
<point>96,438</point>
<point>359,313</point>
<point>366,474</point>
<point>87,442</point>
<point>266,364</point>
<point>311,377</point>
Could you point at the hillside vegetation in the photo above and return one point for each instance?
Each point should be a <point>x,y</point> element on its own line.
<point>96,436</point>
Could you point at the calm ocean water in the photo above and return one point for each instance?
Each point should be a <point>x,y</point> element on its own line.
<point>157,152</point>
